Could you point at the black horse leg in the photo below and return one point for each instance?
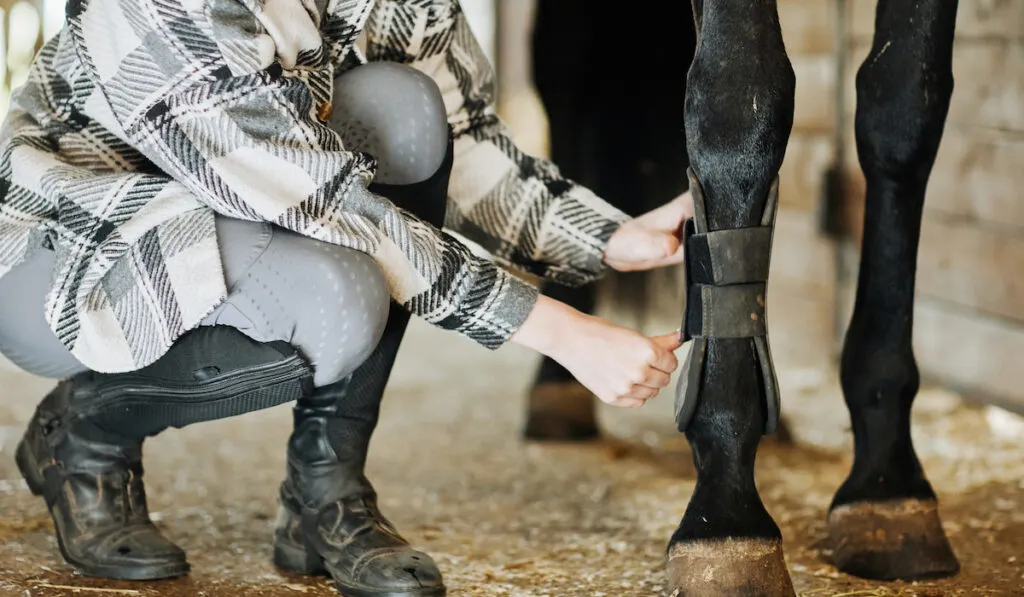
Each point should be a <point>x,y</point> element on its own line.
<point>883,522</point>
<point>739,113</point>
<point>559,407</point>
<point>614,127</point>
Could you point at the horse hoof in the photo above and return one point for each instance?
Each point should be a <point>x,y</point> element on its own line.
<point>561,411</point>
<point>728,567</point>
<point>891,540</point>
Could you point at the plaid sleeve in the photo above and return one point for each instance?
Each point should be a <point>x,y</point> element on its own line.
<point>518,207</point>
<point>224,96</point>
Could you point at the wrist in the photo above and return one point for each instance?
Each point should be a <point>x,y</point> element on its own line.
<point>619,247</point>
<point>549,326</point>
<point>609,246</point>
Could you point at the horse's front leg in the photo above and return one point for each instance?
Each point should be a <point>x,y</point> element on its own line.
<point>883,522</point>
<point>739,113</point>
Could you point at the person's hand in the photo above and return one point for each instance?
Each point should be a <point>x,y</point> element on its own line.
<point>651,240</point>
<point>620,366</point>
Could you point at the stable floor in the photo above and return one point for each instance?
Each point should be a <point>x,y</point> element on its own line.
<point>504,518</point>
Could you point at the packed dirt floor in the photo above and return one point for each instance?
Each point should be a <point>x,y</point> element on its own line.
<point>506,518</point>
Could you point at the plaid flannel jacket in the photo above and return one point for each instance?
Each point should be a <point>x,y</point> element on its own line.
<point>144,118</point>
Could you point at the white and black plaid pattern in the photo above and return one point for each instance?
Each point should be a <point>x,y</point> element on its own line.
<point>145,117</point>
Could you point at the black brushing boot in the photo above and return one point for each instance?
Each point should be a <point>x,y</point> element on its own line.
<point>329,519</point>
<point>93,487</point>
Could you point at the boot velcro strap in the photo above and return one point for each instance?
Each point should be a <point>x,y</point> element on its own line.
<point>726,311</point>
<point>734,256</point>
<point>726,273</point>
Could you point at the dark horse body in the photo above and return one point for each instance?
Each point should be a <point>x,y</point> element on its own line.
<point>615,126</point>
<point>737,116</point>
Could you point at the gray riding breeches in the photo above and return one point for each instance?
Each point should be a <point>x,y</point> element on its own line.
<point>328,301</point>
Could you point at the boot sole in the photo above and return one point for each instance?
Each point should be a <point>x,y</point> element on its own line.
<point>297,559</point>
<point>28,465</point>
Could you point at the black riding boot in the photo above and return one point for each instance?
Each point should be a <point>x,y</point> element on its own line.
<point>83,447</point>
<point>92,482</point>
<point>329,519</point>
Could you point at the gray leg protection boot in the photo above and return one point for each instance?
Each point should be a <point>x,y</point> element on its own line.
<point>83,448</point>
<point>726,291</point>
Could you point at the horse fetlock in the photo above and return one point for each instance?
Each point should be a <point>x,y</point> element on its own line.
<point>876,369</point>
<point>725,504</point>
<point>879,387</point>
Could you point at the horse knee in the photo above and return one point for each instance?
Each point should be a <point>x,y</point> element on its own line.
<point>901,112</point>
<point>396,114</point>
<point>738,111</point>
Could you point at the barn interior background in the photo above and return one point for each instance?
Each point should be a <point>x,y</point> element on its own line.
<point>487,512</point>
<point>969,322</point>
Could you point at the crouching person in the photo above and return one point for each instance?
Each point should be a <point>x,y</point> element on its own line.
<point>209,209</point>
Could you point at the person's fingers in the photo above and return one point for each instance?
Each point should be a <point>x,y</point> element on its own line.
<point>628,402</point>
<point>672,245</point>
<point>640,392</point>
<point>649,245</point>
<point>685,202</point>
<point>646,249</point>
<point>680,206</point>
<point>656,378</point>
<point>665,359</point>
<point>668,217</point>
<point>674,258</point>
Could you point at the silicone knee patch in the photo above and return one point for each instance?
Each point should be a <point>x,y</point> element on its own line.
<point>396,114</point>
<point>210,373</point>
<point>726,288</point>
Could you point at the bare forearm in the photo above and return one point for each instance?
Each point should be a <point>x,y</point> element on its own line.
<point>621,366</point>
<point>548,322</point>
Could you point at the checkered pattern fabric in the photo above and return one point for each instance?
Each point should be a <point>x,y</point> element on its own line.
<point>144,118</point>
